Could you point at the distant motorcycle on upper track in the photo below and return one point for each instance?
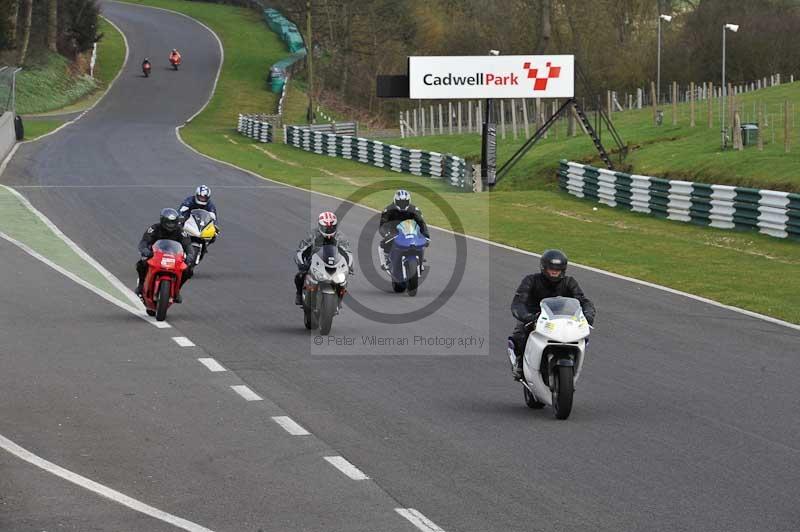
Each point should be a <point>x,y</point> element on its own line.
<point>146,68</point>
<point>554,355</point>
<point>175,59</point>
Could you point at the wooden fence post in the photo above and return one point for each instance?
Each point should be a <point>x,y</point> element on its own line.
<point>449,118</point>
<point>761,129</point>
<point>459,117</point>
<point>674,103</point>
<point>525,118</point>
<point>691,104</point>
<point>479,118</point>
<point>737,131</point>
<point>469,116</point>
<point>786,131</point>
<point>416,129</point>
<point>441,121</point>
<point>513,119</point>
<point>653,99</point>
<point>502,119</point>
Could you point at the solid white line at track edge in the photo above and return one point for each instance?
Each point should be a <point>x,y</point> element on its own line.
<point>91,485</point>
<point>111,299</point>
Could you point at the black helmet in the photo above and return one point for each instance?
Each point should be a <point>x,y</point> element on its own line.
<point>169,219</point>
<point>554,259</point>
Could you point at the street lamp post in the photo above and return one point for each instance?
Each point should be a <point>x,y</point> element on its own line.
<point>734,28</point>
<point>658,75</point>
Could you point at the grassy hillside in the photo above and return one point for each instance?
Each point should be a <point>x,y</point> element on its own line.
<point>52,84</point>
<point>675,152</point>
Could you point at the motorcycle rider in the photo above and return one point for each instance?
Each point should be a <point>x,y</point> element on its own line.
<point>175,56</point>
<point>146,64</point>
<point>168,228</point>
<point>552,281</point>
<point>200,200</point>
<point>325,233</point>
<point>399,210</point>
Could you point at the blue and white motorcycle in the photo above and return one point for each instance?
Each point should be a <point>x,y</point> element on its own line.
<point>405,260</point>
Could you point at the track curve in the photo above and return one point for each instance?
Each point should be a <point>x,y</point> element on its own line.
<point>685,418</point>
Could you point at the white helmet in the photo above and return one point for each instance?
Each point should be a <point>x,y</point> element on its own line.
<point>402,198</point>
<point>202,194</point>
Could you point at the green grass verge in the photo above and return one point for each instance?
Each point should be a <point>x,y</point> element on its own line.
<point>18,222</point>
<point>739,269</point>
<point>674,152</point>
<point>50,85</point>
<point>36,128</point>
<point>110,57</point>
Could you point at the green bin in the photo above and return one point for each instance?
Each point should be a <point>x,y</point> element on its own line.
<point>749,134</point>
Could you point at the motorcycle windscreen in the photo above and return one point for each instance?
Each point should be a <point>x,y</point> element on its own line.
<point>561,307</point>
<point>201,217</point>
<point>168,246</point>
<point>329,255</point>
<point>407,228</point>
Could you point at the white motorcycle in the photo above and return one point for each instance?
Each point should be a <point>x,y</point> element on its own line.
<point>201,228</point>
<point>554,355</point>
<point>324,288</point>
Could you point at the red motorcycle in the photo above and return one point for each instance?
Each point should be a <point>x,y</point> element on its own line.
<point>146,69</point>
<point>175,60</point>
<point>163,282</point>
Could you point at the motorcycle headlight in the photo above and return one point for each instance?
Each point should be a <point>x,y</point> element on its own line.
<point>339,278</point>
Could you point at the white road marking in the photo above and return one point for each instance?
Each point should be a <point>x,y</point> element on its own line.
<point>290,426</point>
<point>419,520</point>
<point>247,393</point>
<point>85,284</point>
<point>99,489</point>
<point>346,467</point>
<point>183,341</point>
<point>110,277</point>
<point>211,364</point>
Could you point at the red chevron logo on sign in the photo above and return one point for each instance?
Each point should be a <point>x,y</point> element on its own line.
<point>540,81</point>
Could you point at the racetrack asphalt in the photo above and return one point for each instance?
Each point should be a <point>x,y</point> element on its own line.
<point>685,418</point>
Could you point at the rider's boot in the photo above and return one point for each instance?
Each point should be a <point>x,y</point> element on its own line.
<point>382,257</point>
<point>516,372</point>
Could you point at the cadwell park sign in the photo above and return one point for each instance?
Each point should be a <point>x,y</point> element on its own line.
<point>506,76</point>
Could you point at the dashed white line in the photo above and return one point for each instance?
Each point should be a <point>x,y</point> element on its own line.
<point>98,488</point>
<point>211,364</point>
<point>290,425</point>
<point>419,520</point>
<point>183,341</point>
<point>346,467</point>
<point>247,393</point>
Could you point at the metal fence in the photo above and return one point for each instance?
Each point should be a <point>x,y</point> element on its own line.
<point>399,159</point>
<point>257,127</point>
<point>337,128</point>
<point>770,212</point>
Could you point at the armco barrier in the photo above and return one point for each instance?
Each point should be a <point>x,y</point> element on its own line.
<point>288,32</point>
<point>770,212</point>
<point>429,164</point>
<point>255,127</point>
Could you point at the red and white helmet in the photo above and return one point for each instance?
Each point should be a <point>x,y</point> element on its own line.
<point>327,224</point>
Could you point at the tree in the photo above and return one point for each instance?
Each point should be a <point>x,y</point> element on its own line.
<point>26,30</point>
<point>13,13</point>
<point>52,26</point>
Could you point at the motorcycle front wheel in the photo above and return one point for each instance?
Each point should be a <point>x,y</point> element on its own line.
<point>326,312</point>
<point>562,392</point>
<point>164,290</point>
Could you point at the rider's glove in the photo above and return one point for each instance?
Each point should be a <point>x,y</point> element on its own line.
<point>530,326</point>
<point>147,255</point>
